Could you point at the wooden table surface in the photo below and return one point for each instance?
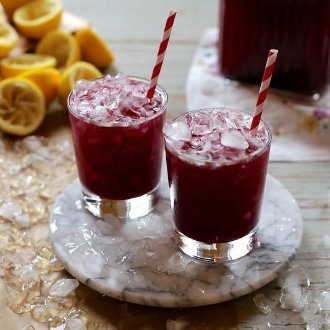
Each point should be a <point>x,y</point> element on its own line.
<point>133,30</point>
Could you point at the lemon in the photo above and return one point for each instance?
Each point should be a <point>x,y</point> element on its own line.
<point>62,45</point>
<point>22,106</point>
<point>13,66</point>
<point>78,70</point>
<point>11,5</point>
<point>39,17</point>
<point>46,79</point>
<point>8,38</point>
<point>3,15</point>
<point>94,50</point>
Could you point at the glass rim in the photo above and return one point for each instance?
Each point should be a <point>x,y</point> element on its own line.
<point>218,163</point>
<point>135,122</point>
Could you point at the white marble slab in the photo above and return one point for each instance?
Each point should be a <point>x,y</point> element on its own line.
<point>139,262</point>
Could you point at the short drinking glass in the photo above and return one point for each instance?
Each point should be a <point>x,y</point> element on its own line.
<point>118,141</point>
<point>217,173</point>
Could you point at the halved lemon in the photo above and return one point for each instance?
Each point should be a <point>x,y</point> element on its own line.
<point>78,70</point>
<point>62,45</point>
<point>3,15</point>
<point>8,38</point>
<point>22,106</point>
<point>94,50</point>
<point>13,66</point>
<point>39,17</point>
<point>11,5</point>
<point>46,79</point>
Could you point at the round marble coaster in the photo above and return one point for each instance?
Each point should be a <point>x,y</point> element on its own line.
<point>138,261</point>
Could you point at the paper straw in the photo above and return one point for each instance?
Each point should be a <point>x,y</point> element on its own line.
<point>263,90</point>
<point>161,54</point>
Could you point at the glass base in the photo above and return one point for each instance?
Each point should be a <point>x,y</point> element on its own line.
<point>126,209</point>
<point>217,252</point>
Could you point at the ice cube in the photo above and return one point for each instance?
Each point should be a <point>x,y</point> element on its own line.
<point>176,324</point>
<point>230,123</point>
<point>63,287</point>
<point>206,147</point>
<point>199,130</point>
<point>10,210</point>
<point>262,303</point>
<point>294,298</point>
<point>178,131</point>
<point>75,324</point>
<point>316,323</point>
<point>234,139</point>
<point>81,85</point>
<point>296,276</point>
<point>28,273</point>
<point>310,310</point>
<point>324,300</point>
<point>32,143</point>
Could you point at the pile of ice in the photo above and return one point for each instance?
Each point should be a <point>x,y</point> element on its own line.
<point>296,296</point>
<point>111,100</point>
<point>214,134</point>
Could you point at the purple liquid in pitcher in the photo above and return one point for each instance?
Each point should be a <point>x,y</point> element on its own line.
<point>299,29</point>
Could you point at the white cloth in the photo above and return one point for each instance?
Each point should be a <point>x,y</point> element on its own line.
<point>301,128</point>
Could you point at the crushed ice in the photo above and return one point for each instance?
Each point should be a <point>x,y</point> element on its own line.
<point>214,134</point>
<point>116,99</point>
<point>63,287</point>
<point>296,296</point>
<point>262,303</point>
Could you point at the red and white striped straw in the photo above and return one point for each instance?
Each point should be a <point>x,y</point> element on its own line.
<point>161,54</point>
<point>263,89</point>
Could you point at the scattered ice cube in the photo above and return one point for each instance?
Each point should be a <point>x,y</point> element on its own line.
<point>10,210</point>
<point>294,298</point>
<point>176,324</point>
<point>324,300</point>
<point>75,324</point>
<point>32,143</point>
<point>13,211</point>
<point>63,287</point>
<point>234,139</point>
<point>178,131</point>
<point>310,310</point>
<point>28,273</point>
<point>296,276</point>
<point>316,323</point>
<point>262,303</point>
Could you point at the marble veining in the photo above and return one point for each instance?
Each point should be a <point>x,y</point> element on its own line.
<point>139,262</point>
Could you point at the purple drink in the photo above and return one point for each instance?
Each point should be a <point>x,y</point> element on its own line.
<point>117,135</point>
<point>216,173</point>
<point>300,30</point>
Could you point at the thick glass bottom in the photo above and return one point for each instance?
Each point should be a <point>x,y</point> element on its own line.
<point>217,252</point>
<point>126,209</point>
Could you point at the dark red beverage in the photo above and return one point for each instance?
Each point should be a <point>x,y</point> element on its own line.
<point>117,136</point>
<point>299,29</point>
<point>217,175</point>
